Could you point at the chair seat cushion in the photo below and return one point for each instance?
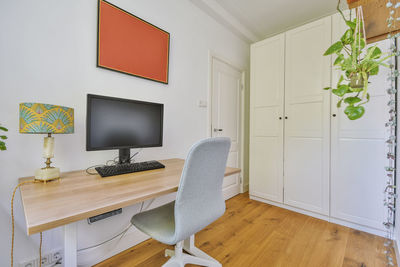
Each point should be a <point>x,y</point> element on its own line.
<point>159,223</point>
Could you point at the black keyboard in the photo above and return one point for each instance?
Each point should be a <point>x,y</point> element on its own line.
<point>128,168</point>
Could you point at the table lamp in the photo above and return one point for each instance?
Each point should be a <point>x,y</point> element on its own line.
<point>36,118</point>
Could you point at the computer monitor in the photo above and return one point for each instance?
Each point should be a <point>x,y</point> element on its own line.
<point>116,123</point>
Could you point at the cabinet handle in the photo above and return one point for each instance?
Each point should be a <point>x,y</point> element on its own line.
<point>280,118</point>
<point>333,115</point>
<point>286,117</point>
<point>218,130</point>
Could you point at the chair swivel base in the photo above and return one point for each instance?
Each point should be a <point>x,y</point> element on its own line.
<point>196,256</point>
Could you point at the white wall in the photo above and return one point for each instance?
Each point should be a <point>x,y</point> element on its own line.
<point>48,55</point>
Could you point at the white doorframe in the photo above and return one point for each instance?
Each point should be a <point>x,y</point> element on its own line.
<point>211,56</point>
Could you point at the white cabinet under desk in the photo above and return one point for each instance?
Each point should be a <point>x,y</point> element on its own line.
<point>305,154</point>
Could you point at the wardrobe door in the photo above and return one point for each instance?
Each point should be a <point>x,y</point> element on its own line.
<point>307,111</point>
<point>266,118</point>
<point>359,152</point>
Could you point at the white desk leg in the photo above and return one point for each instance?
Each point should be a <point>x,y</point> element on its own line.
<point>70,245</point>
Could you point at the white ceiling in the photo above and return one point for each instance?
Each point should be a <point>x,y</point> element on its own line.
<point>267,17</point>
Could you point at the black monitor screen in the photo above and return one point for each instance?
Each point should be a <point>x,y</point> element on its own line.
<point>114,123</point>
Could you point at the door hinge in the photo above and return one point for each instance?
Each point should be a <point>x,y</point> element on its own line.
<point>240,179</point>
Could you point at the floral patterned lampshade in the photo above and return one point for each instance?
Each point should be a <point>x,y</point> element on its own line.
<point>44,119</point>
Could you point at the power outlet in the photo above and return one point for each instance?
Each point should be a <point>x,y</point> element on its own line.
<point>57,256</point>
<point>46,259</point>
<point>49,259</point>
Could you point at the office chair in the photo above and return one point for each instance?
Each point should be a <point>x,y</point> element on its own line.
<point>199,202</point>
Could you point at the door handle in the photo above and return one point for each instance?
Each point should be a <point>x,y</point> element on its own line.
<point>218,130</point>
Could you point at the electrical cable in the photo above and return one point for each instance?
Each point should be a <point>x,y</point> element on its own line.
<point>141,206</point>
<point>91,167</point>
<point>108,240</point>
<point>40,249</point>
<point>135,154</point>
<point>148,205</point>
<point>122,234</point>
<point>13,224</point>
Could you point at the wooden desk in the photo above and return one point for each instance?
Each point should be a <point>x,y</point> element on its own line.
<point>78,196</point>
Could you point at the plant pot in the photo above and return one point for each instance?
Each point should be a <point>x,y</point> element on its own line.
<point>357,81</point>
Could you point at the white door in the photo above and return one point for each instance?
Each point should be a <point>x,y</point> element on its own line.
<point>266,113</point>
<point>359,152</point>
<point>307,117</point>
<point>225,114</point>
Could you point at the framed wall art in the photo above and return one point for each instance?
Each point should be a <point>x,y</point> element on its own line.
<point>131,45</point>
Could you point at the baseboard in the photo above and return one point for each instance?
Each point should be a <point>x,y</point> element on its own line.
<point>324,217</point>
<point>231,191</point>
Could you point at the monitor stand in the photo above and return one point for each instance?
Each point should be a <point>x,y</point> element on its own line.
<point>124,155</point>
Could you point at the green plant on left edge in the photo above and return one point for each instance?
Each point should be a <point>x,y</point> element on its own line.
<point>357,63</point>
<point>2,138</point>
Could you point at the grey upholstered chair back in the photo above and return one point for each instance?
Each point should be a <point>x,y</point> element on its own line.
<point>199,200</point>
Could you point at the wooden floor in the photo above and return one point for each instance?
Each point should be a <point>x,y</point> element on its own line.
<point>257,234</point>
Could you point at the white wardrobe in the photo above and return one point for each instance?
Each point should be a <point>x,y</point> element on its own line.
<point>305,155</point>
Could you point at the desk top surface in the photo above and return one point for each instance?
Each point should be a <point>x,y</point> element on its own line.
<point>78,195</point>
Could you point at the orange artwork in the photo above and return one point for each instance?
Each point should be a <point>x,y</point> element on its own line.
<point>130,45</point>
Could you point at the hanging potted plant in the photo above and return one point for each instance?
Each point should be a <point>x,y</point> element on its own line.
<point>3,137</point>
<point>357,64</point>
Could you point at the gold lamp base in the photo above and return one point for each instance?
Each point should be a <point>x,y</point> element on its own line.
<point>47,174</point>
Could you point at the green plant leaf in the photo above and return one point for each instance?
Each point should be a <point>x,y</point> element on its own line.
<point>347,66</point>
<point>341,90</point>
<point>371,51</point>
<point>374,70</point>
<point>356,90</point>
<point>3,129</point>
<point>340,80</point>
<point>348,37</point>
<point>339,103</point>
<point>376,53</point>
<point>360,45</point>
<point>2,146</point>
<point>327,88</point>
<point>351,24</point>
<point>336,47</point>
<point>3,137</point>
<point>338,60</point>
<point>352,100</point>
<point>354,113</point>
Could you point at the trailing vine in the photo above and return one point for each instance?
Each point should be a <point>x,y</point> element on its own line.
<point>390,194</point>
